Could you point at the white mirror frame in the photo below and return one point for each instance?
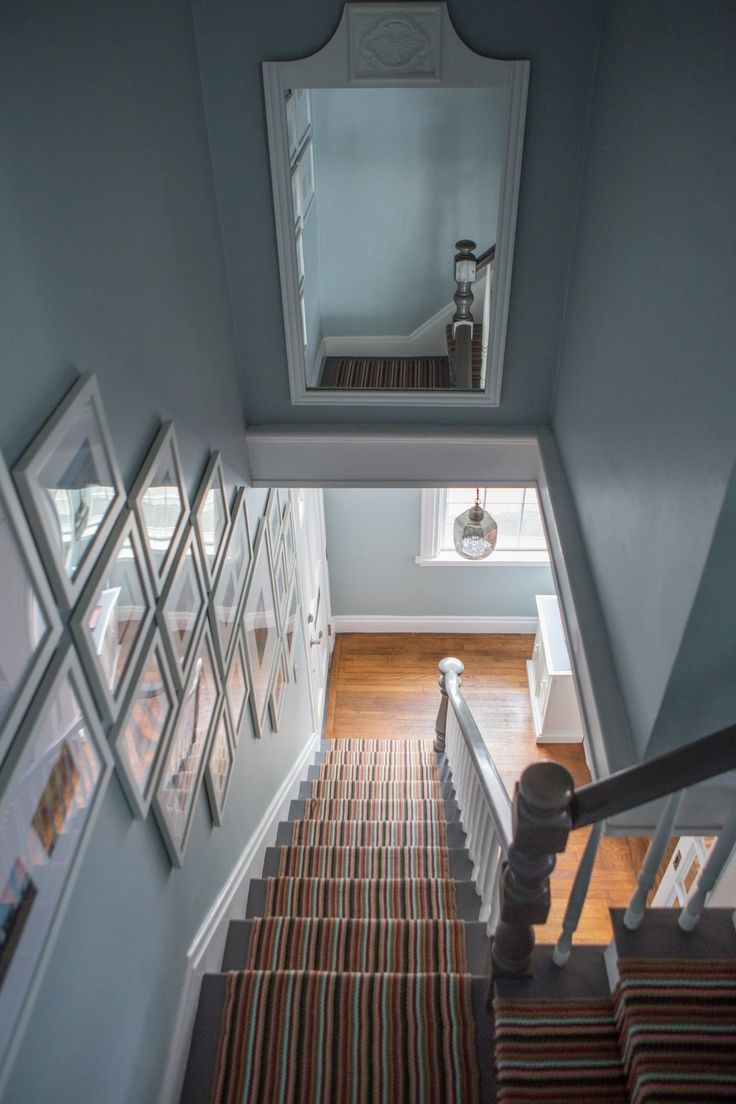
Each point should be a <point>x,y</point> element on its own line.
<point>433,56</point>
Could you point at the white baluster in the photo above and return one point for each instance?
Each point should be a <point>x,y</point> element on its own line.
<point>578,893</point>
<point>485,836</point>
<point>652,859</point>
<point>709,875</point>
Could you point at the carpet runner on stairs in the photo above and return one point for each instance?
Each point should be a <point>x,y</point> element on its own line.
<point>356,988</point>
<point>668,1034</point>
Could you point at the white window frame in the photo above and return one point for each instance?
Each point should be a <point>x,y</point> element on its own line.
<point>431,525</point>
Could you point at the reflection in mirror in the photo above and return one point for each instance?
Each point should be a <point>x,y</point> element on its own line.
<point>140,740</point>
<point>183,606</point>
<point>212,516</point>
<point>396,155</point>
<point>162,503</point>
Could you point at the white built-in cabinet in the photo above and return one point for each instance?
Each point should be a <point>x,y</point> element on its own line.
<point>551,686</point>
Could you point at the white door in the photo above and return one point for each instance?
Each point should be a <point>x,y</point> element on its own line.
<point>309,518</point>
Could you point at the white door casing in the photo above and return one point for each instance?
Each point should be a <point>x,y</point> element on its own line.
<point>309,520</point>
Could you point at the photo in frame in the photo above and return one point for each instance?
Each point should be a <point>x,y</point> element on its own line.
<point>183,607</point>
<point>220,763</point>
<point>237,688</point>
<point>211,518</point>
<point>70,485</point>
<point>227,595</point>
<point>30,627</point>
<point>260,629</point>
<point>160,500</point>
<point>273,516</point>
<point>280,579</point>
<point>291,627</point>
<point>114,614</point>
<point>140,738</point>
<point>51,787</point>
<point>288,540</point>
<point>278,685</point>
<point>186,756</point>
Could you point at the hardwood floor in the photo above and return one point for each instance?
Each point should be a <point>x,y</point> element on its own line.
<point>384,686</point>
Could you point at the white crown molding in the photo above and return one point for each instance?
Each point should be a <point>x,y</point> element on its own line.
<point>205,952</point>
<point>388,623</point>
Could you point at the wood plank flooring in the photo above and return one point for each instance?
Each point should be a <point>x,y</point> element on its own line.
<point>384,686</point>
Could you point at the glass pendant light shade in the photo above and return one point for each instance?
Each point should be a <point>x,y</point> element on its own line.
<point>475,532</point>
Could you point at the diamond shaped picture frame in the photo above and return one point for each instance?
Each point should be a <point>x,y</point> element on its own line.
<point>160,500</point>
<point>220,762</point>
<point>183,607</point>
<point>30,627</point>
<point>227,596</point>
<point>70,485</point>
<point>211,518</point>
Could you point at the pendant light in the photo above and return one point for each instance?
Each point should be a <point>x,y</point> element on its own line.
<point>475,532</point>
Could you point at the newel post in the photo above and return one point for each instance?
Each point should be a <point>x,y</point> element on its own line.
<point>541,825</point>
<point>447,666</point>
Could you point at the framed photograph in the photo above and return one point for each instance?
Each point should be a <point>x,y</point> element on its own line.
<point>229,589</point>
<point>183,607</point>
<point>211,518</point>
<point>278,685</point>
<point>260,629</point>
<point>291,625</point>
<point>288,540</point>
<point>273,516</point>
<point>280,580</point>
<point>113,617</point>
<point>70,485</point>
<point>306,180</point>
<point>30,627</point>
<point>186,756</point>
<point>51,787</point>
<point>220,763</point>
<point>140,738</point>
<point>160,500</point>
<point>236,687</point>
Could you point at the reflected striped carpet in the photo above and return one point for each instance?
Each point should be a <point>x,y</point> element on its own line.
<point>391,373</point>
<point>356,989</point>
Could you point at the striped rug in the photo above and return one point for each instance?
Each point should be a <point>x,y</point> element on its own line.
<point>387,771</point>
<point>359,790</point>
<point>364,862</point>
<point>677,1029</point>
<point>360,946</point>
<point>327,1038</point>
<point>369,833</point>
<point>557,1052</point>
<point>389,373</point>
<point>373,809</point>
<point>362,898</point>
<point>381,751</point>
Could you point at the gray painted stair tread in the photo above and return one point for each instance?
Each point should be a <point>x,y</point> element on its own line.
<point>477,943</point>
<point>296,810</point>
<point>468,901</point>
<point>443,768</point>
<point>200,1070</point>
<point>455,834</point>
<point>446,790</point>
<point>658,936</point>
<point>584,976</point>
<point>461,868</point>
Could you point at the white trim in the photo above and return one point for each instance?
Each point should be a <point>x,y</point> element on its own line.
<point>205,953</point>
<point>431,515</point>
<point>496,559</point>
<point>388,623</point>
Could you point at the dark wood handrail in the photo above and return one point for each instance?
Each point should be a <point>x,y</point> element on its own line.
<point>486,258</point>
<point>627,789</point>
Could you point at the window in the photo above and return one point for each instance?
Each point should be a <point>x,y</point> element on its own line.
<point>521,538</point>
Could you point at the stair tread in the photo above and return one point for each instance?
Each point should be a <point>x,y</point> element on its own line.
<point>453,830</point>
<point>467,901</point>
<point>658,936</point>
<point>584,976</point>
<point>453,860</point>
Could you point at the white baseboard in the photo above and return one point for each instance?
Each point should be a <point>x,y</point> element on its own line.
<point>205,953</point>
<point>380,623</point>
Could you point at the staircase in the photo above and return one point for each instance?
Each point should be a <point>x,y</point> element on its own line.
<point>360,970</point>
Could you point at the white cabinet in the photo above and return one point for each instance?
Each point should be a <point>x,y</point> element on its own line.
<point>554,701</point>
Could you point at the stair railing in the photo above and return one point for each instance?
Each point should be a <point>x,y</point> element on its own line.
<point>514,844</point>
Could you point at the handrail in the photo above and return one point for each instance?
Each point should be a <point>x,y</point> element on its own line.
<point>486,258</point>
<point>627,789</point>
<point>491,784</point>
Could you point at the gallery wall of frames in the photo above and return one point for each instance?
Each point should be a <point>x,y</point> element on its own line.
<point>137,634</point>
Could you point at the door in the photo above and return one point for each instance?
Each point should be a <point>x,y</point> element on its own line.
<point>309,519</point>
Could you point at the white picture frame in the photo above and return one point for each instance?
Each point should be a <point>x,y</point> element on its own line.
<point>211,518</point>
<point>260,629</point>
<point>187,752</point>
<point>227,595</point>
<point>276,692</point>
<point>273,515</point>
<point>51,787</point>
<point>291,622</point>
<point>278,573</point>
<point>237,686</point>
<point>111,621</point>
<point>140,738</point>
<point>161,502</point>
<point>220,762</point>
<point>306,181</point>
<point>183,607</point>
<point>288,539</point>
<point>55,479</point>
<point>30,627</point>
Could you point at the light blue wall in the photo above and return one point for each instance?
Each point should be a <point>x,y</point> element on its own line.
<point>646,401</point>
<point>111,263</point>
<point>372,539</point>
<point>402,174</point>
<point>561,42</point>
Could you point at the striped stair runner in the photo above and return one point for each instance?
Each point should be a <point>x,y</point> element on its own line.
<point>388,373</point>
<point>356,988</point>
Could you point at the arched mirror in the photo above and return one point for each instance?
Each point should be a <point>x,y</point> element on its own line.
<point>395,159</point>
